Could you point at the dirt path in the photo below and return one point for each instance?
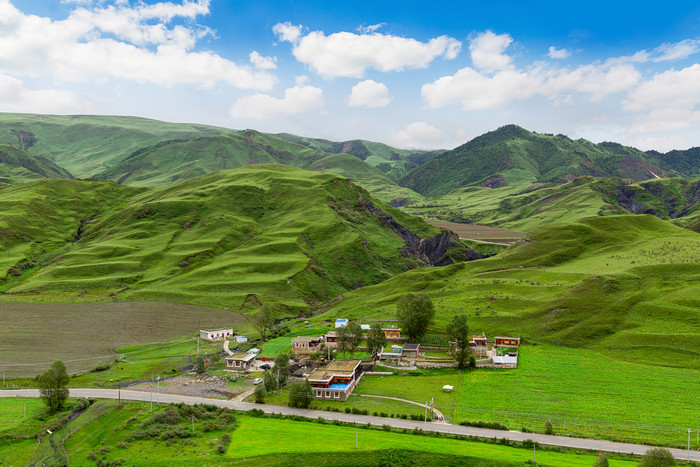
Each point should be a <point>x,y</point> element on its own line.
<point>440,416</point>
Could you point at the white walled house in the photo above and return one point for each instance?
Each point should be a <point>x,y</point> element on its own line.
<point>215,334</point>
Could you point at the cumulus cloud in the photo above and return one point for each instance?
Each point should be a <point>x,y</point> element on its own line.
<point>558,53</point>
<point>370,94</point>
<point>487,51</point>
<point>297,100</point>
<point>345,54</point>
<point>15,97</point>
<point>139,43</point>
<point>259,61</point>
<point>417,135</point>
<point>496,82</point>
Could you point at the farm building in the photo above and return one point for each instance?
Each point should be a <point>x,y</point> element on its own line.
<point>507,341</point>
<point>479,345</point>
<point>341,323</point>
<point>239,361</point>
<point>395,353</point>
<point>331,338</point>
<point>215,334</point>
<point>410,350</point>
<point>393,333</point>
<point>337,380</point>
<point>240,339</point>
<point>307,344</point>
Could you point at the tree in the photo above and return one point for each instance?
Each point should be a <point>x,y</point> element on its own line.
<point>657,457</point>
<point>548,428</point>
<point>259,394</point>
<point>52,386</point>
<point>601,460</point>
<point>353,336</point>
<point>199,365</point>
<point>376,340</point>
<point>301,394</point>
<point>415,313</point>
<point>458,332</point>
<point>263,321</point>
<point>343,334</point>
<point>269,382</point>
<point>280,370</point>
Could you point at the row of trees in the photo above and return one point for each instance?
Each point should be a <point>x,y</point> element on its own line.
<point>351,336</point>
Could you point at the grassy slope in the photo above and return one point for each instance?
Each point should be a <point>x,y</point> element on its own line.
<point>626,285</point>
<point>166,163</point>
<point>524,208</point>
<point>521,157</point>
<point>289,236</point>
<point>17,166</point>
<point>88,144</point>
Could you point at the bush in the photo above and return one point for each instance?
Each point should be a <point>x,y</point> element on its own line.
<point>548,429</point>
<point>169,416</point>
<point>657,457</point>
<point>259,394</point>
<point>209,426</point>
<point>221,449</point>
<point>601,460</point>
<point>225,439</point>
<point>81,404</point>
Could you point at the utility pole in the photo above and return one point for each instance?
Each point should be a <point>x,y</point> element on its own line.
<point>425,417</point>
<point>192,424</point>
<point>120,396</point>
<point>534,453</point>
<point>25,411</point>
<point>689,430</point>
<point>357,440</point>
<point>197,346</point>
<point>151,398</point>
<point>158,382</point>
<point>564,429</point>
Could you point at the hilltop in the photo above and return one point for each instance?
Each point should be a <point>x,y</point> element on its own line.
<point>269,233</point>
<point>514,156</point>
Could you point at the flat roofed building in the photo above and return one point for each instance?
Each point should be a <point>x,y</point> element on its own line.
<point>410,350</point>
<point>337,380</point>
<point>507,341</point>
<point>239,361</point>
<point>341,323</point>
<point>393,334</point>
<point>331,339</point>
<point>215,334</point>
<point>307,344</point>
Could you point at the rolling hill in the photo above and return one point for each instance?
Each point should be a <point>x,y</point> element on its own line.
<point>17,165</point>
<point>628,286</point>
<point>269,233</point>
<point>514,156</point>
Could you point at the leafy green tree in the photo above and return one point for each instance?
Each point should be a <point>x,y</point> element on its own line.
<point>280,370</point>
<point>657,457</point>
<point>269,381</point>
<point>343,334</point>
<point>601,460</point>
<point>199,365</point>
<point>415,313</point>
<point>548,428</point>
<point>301,394</point>
<point>263,321</point>
<point>52,386</point>
<point>353,336</point>
<point>259,394</point>
<point>376,340</point>
<point>458,332</point>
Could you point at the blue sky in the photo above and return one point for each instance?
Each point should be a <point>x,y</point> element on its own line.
<point>411,74</point>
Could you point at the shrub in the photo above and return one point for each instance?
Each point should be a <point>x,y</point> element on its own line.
<point>657,457</point>
<point>169,416</point>
<point>601,460</point>
<point>347,410</point>
<point>225,439</point>
<point>548,429</point>
<point>81,404</point>
<point>221,449</point>
<point>209,426</point>
<point>259,394</point>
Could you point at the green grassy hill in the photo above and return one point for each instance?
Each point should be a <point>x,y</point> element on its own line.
<point>524,208</point>
<point>176,160</point>
<point>89,144</point>
<point>17,166</point>
<point>625,285</point>
<point>514,156</point>
<point>275,234</point>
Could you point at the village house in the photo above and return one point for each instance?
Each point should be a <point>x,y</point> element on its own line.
<point>410,350</point>
<point>395,353</point>
<point>337,380</point>
<point>239,361</point>
<point>307,345</point>
<point>507,341</point>
<point>241,339</point>
<point>341,323</point>
<point>393,334</point>
<point>479,345</point>
<point>331,338</point>
<point>215,334</point>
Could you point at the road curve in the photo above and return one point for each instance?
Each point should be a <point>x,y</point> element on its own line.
<point>563,441</point>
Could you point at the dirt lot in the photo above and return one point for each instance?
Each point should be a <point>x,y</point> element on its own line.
<point>204,386</point>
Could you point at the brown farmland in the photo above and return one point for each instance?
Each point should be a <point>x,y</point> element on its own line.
<point>84,335</point>
<point>480,233</point>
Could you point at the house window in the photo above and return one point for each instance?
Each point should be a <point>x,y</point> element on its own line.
<point>335,394</point>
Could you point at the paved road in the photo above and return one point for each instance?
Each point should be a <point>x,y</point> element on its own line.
<point>564,441</point>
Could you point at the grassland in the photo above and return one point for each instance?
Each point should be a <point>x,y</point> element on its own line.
<point>85,335</point>
<point>106,432</point>
<point>274,234</point>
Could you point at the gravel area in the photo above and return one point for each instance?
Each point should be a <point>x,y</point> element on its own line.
<point>197,386</point>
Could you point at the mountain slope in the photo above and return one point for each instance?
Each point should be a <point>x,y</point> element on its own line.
<point>276,234</point>
<point>514,156</point>
<point>17,165</point>
<point>88,144</point>
<point>626,285</point>
<point>176,160</point>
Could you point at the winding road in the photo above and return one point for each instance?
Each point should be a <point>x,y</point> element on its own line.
<point>563,441</point>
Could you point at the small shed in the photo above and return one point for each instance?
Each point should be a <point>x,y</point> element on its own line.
<point>364,327</point>
<point>240,339</point>
<point>341,323</point>
<point>239,361</point>
<point>331,339</point>
<point>254,351</point>
<point>410,350</point>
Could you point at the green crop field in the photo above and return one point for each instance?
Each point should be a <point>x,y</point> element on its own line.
<point>85,335</point>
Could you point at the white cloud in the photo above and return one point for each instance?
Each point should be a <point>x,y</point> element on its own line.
<point>558,53</point>
<point>287,32</point>
<point>259,61</point>
<point>417,135</point>
<point>14,97</point>
<point>676,51</point>
<point>370,29</point>
<point>350,55</point>
<point>120,41</point>
<point>487,51</point>
<point>297,100</point>
<point>370,94</point>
